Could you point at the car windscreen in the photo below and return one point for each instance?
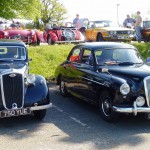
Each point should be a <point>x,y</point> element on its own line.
<point>12,53</point>
<point>118,56</point>
<point>105,23</point>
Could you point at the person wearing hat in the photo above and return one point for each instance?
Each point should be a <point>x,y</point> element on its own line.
<point>138,28</point>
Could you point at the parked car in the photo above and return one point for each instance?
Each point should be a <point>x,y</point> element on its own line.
<point>21,93</point>
<point>106,30</point>
<point>60,35</point>
<point>27,36</point>
<point>146,31</point>
<point>111,75</point>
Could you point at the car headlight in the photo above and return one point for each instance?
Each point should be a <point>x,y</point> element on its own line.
<point>30,78</point>
<point>129,32</point>
<point>140,101</point>
<point>111,32</point>
<point>125,89</point>
<point>32,32</point>
<point>115,32</point>
<point>6,33</point>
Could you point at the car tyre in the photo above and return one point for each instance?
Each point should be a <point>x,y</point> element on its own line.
<point>99,38</point>
<point>39,114</point>
<point>49,41</point>
<point>63,88</point>
<point>105,108</point>
<point>38,42</point>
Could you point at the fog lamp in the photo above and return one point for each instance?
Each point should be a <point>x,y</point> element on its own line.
<point>140,101</point>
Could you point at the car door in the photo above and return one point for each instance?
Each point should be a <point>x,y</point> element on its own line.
<point>85,69</point>
<point>70,68</point>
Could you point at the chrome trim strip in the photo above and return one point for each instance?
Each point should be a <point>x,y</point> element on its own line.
<point>91,80</point>
<point>2,88</point>
<point>69,41</point>
<point>41,107</point>
<point>146,90</point>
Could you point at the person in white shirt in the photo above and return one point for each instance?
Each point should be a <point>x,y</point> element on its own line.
<point>128,22</point>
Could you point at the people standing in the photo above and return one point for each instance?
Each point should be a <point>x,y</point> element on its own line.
<point>138,28</point>
<point>128,22</point>
<point>75,21</point>
<point>79,24</point>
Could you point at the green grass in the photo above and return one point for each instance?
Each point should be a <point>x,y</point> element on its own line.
<point>46,58</point>
<point>143,48</point>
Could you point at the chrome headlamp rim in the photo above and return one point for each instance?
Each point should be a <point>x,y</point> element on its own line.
<point>30,78</point>
<point>124,89</point>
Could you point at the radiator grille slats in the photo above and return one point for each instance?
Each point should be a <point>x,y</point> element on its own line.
<point>13,90</point>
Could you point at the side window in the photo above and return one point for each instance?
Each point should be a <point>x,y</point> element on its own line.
<point>75,55</point>
<point>87,57</point>
<point>91,25</point>
<point>98,54</point>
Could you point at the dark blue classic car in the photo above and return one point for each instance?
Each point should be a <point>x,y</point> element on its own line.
<point>21,93</point>
<point>110,75</point>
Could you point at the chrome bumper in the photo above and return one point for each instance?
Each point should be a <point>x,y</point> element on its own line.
<point>133,109</point>
<point>41,107</point>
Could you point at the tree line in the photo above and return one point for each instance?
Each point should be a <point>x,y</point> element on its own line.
<point>45,10</point>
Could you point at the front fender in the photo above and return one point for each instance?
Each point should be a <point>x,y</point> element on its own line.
<point>53,36</point>
<point>38,93</point>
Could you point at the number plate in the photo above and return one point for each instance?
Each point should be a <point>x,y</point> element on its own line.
<point>15,112</point>
<point>121,37</point>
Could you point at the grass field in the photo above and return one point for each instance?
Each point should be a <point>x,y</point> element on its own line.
<point>46,58</point>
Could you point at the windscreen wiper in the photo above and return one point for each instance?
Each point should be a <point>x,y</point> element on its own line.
<point>125,63</point>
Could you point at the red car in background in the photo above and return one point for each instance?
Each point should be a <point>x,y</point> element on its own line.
<point>27,36</point>
<point>60,35</point>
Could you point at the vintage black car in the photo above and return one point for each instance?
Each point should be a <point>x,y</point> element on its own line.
<point>21,93</point>
<point>111,75</point>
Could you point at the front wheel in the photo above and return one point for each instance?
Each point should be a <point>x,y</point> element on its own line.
<point>99,38</point>
<point>39,114</point>
<point>106,109</point>
<point>63,88</point>
<point>49,41</point>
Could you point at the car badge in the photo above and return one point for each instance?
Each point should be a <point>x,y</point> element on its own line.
<point>12,75</point>
<point>14,106</point>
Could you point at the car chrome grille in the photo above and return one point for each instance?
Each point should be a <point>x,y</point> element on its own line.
<point>69,34</point>
<point>122,32</point>
<point>147,89</point>
<point>19,37</point>
<point>12,90</point>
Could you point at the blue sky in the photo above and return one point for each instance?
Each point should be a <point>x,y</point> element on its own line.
<point>105,9</point>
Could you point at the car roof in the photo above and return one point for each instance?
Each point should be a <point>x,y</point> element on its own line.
<point>105,45</point>
<point>11,42</point>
